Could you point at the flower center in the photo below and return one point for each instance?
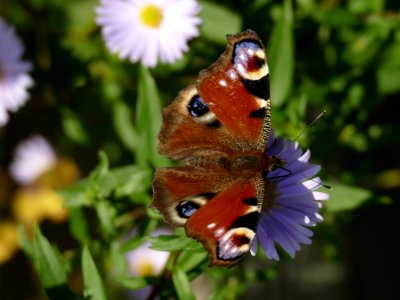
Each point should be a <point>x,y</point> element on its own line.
<point>145,268</point>
<point>1,73</point>
<point>151,16</point>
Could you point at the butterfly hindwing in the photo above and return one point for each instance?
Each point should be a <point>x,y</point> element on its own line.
<point>179,191</point>
<point>226,224</point>
<point>222,213</point>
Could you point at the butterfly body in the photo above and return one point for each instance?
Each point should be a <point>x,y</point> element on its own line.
<point>218,129</point>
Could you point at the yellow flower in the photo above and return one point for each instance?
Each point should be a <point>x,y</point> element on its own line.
<point>9,243</point>
<point>33,204</point>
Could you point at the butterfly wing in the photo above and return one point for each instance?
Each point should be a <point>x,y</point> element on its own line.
<point>219,211</point>
<point>229,108</point>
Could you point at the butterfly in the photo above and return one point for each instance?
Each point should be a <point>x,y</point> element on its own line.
<point>218,129</point>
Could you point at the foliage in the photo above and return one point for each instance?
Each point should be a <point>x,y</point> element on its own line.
<point>337,56</point>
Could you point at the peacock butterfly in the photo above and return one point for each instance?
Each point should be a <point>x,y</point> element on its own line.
<point>218,128</point>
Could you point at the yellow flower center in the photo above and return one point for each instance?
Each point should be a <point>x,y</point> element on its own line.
<point>151,16</point>
<point>145,268</point>
<point>1,73</point>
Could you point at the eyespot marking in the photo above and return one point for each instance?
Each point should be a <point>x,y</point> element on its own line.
<point>249,60</point>
<point>186,209</point>
<point>197,107</point>
<point>234,244</point>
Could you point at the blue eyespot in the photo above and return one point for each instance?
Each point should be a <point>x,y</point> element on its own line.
<point>197,107</point>
<point>186,209</point>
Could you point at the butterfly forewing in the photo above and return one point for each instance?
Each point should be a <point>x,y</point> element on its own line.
<point>236,90</point>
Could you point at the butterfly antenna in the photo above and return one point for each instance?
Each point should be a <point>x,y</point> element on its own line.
<point>321,114</point>
<point>306,177</point>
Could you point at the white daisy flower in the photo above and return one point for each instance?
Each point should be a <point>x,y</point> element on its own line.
<point>32,158</point>
<point>143,261</point>
<point>14,79</point>
<point>148,29</point>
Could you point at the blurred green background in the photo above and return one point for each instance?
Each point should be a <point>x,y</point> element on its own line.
<point>339,56</point>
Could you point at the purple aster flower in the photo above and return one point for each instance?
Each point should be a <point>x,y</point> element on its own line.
<point>295,203</point>
<point>14,79</point>
<point>148,29</point>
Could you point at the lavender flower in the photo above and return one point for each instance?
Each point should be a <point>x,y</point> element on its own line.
<point>14,79</point>
<point>293,203</point>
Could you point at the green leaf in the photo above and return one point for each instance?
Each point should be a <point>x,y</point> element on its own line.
<point>188,260</point>
<point>73,127</point>
<point>25,243</point>
<point>345,197</point>
<point>135,283</point>
<point>388,80</point>
<point>338,17</point>
<point>101,180</point>
<point>182,284</point>
<point>78,225</point>
<point>219,294</point>
<point>132,181</point>
<point>77,194</point>
<point>218,21</point>
<point>93,285</point>
<point>49,265</point>
<point>123,124</point>
<point>106,213</point>
<point>101,169</point>
<point>173,243</point>
<point>148,119</point>
<point>281,55</point>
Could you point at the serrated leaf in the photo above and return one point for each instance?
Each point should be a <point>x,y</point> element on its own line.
<point>218,21</point>
<point>93,285</point>
<point>281,56</point>
<point>182,284</point>
<point>49,266</point>
<point>173,243</point>
<point>345,197</point>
